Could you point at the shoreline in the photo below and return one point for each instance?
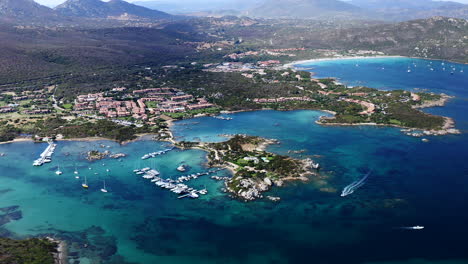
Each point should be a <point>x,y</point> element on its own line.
<point>292,65</point>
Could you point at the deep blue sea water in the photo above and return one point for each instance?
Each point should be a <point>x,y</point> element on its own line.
<point>411,183</point>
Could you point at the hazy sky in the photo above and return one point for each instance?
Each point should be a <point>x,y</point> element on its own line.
<point>56,2</point>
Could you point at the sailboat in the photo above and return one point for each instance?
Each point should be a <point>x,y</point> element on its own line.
<point>85,183</point>
<point>103,189</point>
<point>58,172</point>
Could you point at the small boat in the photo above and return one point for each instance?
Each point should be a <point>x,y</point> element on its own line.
<point>193,195</point>
<point>355,185</point>
<point>103,189</point>
<point>58,172</point>
<point>412,227</point>
<point>85,183</point>
<point>182,168</point>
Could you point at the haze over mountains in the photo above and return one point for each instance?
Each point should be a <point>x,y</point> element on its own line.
<point>184,7</point>
<point>390,10</point>
<point>303,9</point>
<point>400,10</point>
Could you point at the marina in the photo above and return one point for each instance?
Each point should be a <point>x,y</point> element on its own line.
<point>155,154</point>
<point>176,186</point>
<point>46,156</point>
<point>313,221</point>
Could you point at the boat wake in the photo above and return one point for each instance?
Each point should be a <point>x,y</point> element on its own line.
<point>355,185</point>
<point>412,227</point>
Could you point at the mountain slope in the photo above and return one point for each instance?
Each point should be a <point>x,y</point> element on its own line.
<point>24,9</point>
<point>303,9</point>
<point>28,53</point>
<point>113,8</point>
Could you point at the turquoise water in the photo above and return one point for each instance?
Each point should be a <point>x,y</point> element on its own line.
<point>412,183</point>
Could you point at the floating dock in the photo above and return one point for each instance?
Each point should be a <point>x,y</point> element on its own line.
<point>174,186</point>
<point>155,154</point>
<point>46,156</point>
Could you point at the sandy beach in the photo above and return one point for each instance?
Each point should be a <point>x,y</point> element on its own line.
<point>294,63</point>
<point>16,140</point>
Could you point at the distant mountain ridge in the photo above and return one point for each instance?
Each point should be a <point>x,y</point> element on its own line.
<point>193,6</point>
<point>303,9</point>
<point>400,10</point>
<point>404,4</point>
<point>113,8</point>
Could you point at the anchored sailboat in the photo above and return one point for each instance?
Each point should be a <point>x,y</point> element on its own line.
<point>103,189</point>
<point>58,172</point>
<point>85,183</point>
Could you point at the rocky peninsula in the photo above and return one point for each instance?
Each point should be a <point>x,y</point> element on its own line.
<point>255,171</point>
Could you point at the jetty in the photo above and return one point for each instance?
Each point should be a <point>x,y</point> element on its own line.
<point>186,178</point>
<point>174,186</point>
<point>223,118</point>
<point>46,156</point>
<point>155,154</point>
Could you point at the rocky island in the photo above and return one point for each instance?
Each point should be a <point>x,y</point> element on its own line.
<point>255,170</point>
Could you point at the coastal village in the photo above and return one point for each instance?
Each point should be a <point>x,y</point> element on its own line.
<point>144,105</point>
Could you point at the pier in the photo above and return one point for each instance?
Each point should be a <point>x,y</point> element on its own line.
<point>174,186</point>
<point>46,156</point>
<point>155,154</point>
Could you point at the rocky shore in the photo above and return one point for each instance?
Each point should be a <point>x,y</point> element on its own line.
<point>250,189</point>
<point>448,127</point>
<point>435,103</point>
<point>61,255</point>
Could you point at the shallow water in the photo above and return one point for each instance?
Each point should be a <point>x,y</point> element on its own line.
<point>412,183</point>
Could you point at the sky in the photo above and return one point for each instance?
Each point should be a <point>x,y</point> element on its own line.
<point>53,3</point>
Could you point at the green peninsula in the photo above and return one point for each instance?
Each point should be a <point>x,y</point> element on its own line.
<point>255,170</point>
<point>29,251</point>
